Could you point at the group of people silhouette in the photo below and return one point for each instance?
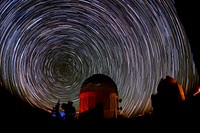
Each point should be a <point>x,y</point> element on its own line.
<point>69,110</point>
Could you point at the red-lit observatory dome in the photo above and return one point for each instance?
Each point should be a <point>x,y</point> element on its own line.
<point>99,90</point>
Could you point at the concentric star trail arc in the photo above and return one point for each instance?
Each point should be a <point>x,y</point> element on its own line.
<point>48,49</point>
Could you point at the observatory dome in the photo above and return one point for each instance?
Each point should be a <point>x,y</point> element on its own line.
<point>98,98</point>
<point>99,82</point>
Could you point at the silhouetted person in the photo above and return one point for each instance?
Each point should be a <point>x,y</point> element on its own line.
<point>69,110</point>
<point>57,109</point>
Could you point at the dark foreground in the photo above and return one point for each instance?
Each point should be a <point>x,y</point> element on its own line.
<point>37,122</point>
<point>19,117</point>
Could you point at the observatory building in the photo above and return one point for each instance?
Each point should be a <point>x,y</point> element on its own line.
<point>98,97</point>
<point>169,98</point>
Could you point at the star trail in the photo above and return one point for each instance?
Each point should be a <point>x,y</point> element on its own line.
<point>48,48</point>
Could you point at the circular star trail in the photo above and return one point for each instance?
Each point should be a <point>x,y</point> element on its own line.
<point>48,48</point>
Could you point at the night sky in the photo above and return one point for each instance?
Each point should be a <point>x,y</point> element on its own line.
<point>188,13</point>
<point>48,48</point>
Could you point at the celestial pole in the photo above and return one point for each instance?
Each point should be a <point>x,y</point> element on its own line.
<point>48,48</point>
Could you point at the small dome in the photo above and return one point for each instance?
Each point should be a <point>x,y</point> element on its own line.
<point>99,82</point>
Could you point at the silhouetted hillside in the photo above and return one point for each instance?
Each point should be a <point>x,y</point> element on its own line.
<point>18,114</point>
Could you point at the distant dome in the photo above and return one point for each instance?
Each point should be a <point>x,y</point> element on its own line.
<point>99,82</point>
